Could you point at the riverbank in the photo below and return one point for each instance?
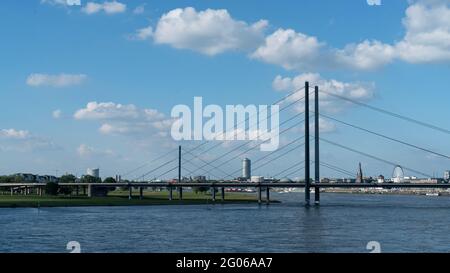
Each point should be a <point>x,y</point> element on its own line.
<point>121,199</point>
<point>432,192</point>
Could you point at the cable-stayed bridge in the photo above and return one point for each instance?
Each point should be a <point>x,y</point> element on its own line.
<point>189,161</point>
<point>185,162</point>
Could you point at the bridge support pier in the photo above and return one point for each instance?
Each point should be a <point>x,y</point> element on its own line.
<point>259,193</point>
<point>316,146</point>
<point>40,191</point>
<point>307,160</point>
<point>214,194</point>
<point>316,196</point>
<point>170,193</point>
<point>12,191</point>
<point>140,193</point>
<point>130,192</point>
<point>90,189</point>
<point>267,195</point>
<point>180,189</point>
<point>223,193</point>
<point>77,190</point>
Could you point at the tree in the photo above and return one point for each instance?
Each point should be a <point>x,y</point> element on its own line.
<point>109,180</point>
<point>68,178</point>
<point>6,179</point>
<point>90,179</point>
<point>51,188</point>
<point>18,179</point>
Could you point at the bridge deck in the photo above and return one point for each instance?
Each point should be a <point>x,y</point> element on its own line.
<point>242,185</point>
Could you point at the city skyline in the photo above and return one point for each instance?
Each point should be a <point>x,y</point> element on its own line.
<point>96,89</point>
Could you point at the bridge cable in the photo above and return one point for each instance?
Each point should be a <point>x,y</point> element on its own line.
<point>380,110</point>
<point>267,155</point>
<point>372,156</point>
<point>246,143</point>
<point>149,162</point>
<point>276,102</point>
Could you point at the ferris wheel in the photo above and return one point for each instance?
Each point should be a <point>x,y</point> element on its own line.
<point>398,174</point>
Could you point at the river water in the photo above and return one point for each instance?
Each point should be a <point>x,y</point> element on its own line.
<point>343,223</point>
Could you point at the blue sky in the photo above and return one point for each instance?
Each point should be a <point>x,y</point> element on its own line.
<point>56,57</point>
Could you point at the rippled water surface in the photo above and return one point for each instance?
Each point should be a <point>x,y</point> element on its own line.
<point>343,223</point>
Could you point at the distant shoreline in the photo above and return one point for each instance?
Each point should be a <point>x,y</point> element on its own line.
<point>441,193</point>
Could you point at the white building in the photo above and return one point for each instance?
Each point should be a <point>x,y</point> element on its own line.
<point>447,175</point>
<point>246,168</point>
<point>257,179</point>
<point>93,172</point>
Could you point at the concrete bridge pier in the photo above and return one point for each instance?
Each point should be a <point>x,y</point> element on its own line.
<point>223,193</point>
<point>90,190</point>
<point>77,190</point>
<point>267,195</point>
<point>259,193</point>
<point>140,193</point>
<point>170,193</point>
<point>130,192</point>
<point>180,193</point>
<point>12,191</point>
<point>317,196</point>
<point>214,194</point>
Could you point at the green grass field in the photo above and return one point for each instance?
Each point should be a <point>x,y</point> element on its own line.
<point>120,198</point>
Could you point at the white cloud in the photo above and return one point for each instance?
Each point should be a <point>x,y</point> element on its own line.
<point>427,36</point>
<point>107,111</point>
<point>24,141</point>
<point>84,150</point>
<point>109,7</point>
<point>119,119</point>
<point>143,33</point>
<point>61,80</point>
<point>57,114</point>
<point>366,55</point>
<point>325,126</point>
<point>297,51</point>
<point>290,49</point>
<point>426,39</point>
<point>328,103</point>
<point>55,2</point>
<point>14,134</point>
<point>87,151</point>
<point>210,31</point>
<point>139,9</point>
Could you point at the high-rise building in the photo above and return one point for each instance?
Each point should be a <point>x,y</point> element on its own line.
<point>447,175</point>
<point>246,168</point>
<point>93,172</point>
